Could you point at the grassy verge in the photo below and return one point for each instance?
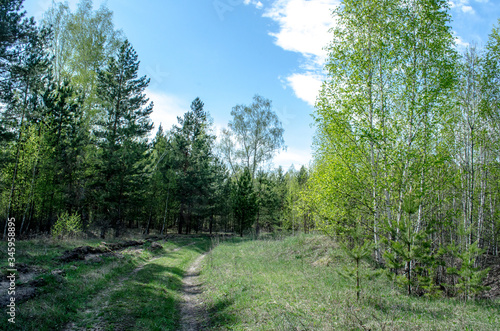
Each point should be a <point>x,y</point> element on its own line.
<point>135,289</point>
<point>293,284</point>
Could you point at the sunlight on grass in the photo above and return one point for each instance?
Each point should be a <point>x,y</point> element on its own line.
<point>134,288</point>
<point>294,284</point>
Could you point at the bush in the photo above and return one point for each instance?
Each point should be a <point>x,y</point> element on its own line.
<point>67,225</point>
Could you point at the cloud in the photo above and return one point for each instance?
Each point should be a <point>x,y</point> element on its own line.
<point>304,28</point>
<point>295,157</point>
<point>468,9</point>
<point>303,25</point>
<point>464,6</point>
<point>257,4</point>
<point>166,109</point>
<point>461,44</point>
<point>306,86</point>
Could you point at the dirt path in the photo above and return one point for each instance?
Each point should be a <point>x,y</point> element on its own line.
<point>193,314</point>
<point>101,300</point>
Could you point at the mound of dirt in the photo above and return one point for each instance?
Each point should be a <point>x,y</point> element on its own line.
<point>155,247</point>
<point>493,278</point>
<point>27,285</point>
<point>80,253</point>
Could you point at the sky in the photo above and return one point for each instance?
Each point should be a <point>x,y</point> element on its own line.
<point>227,51</point>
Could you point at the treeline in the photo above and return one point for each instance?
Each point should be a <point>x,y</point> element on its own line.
<point>76,152</point>
<point>407,152</point>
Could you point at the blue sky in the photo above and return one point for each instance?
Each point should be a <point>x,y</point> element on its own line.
<point>226,51</point>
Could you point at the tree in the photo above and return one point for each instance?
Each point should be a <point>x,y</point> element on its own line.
<point>255,134</point>
<point>16,32</point>
<point>122,135</point>
<point>383,118</point>
<point>218,193</point>
<point>23,76</point>
<point>64,141</point>
<point>267,202</point>
<point>82,42</point>
<point>244,202</point>
<point>194,158</point>
<point>490,110</point>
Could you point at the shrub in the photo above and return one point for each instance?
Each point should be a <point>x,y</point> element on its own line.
<point>67,225</point>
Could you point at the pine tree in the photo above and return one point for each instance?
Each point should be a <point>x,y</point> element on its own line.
<point>192,143</point>
<point>23,76</point>
<point>244,202</point>
<point>64,142</point>
<point>121,136</point>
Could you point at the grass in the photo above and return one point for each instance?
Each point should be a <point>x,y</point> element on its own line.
<point>294,284</point>
<point>269,284</point>
<point>136,289</point>
<point>149,299</point>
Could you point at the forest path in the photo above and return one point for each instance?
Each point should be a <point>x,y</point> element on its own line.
<point>93,316</point>
<point>193,312</point>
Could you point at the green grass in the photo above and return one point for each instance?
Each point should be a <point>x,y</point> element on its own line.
<point>137,289</point>
<point>149,299</point>
<point>249,285</point>
<point>294,284</point>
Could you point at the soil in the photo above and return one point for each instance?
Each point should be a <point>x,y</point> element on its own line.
<point>193,313</point>
<point>492,280</point>
<point>26,286</point>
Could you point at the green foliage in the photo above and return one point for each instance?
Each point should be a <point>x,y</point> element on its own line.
<point>67,225</point>
<point>81,44</point>
<point>255,134</point>
<point>121,137</point>
<point>357,253</point>
<point>195,165</point>
<point>244,202</point>
<point>400,148</point>
<point>411,257</point>
<point>470,277</point>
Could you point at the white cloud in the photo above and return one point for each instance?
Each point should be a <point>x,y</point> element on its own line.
<point>303,25</point>
<point>257,4</point>
<point>306,86</point>
<point>461,44</point>
<point>304,28</point>
<point>464,6</point>
<point>468,9</point>
<point>291,157</point>
<point>166,109</point>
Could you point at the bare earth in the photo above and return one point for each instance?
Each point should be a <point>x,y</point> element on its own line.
<point>193,313</point>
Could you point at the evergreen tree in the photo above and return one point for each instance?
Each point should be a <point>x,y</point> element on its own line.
<point>192,143</point>
<point>64,143</point>
<point>244,202</point>
<point>217,193</point>
<point>121,136</point>
<point>24,68</point>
